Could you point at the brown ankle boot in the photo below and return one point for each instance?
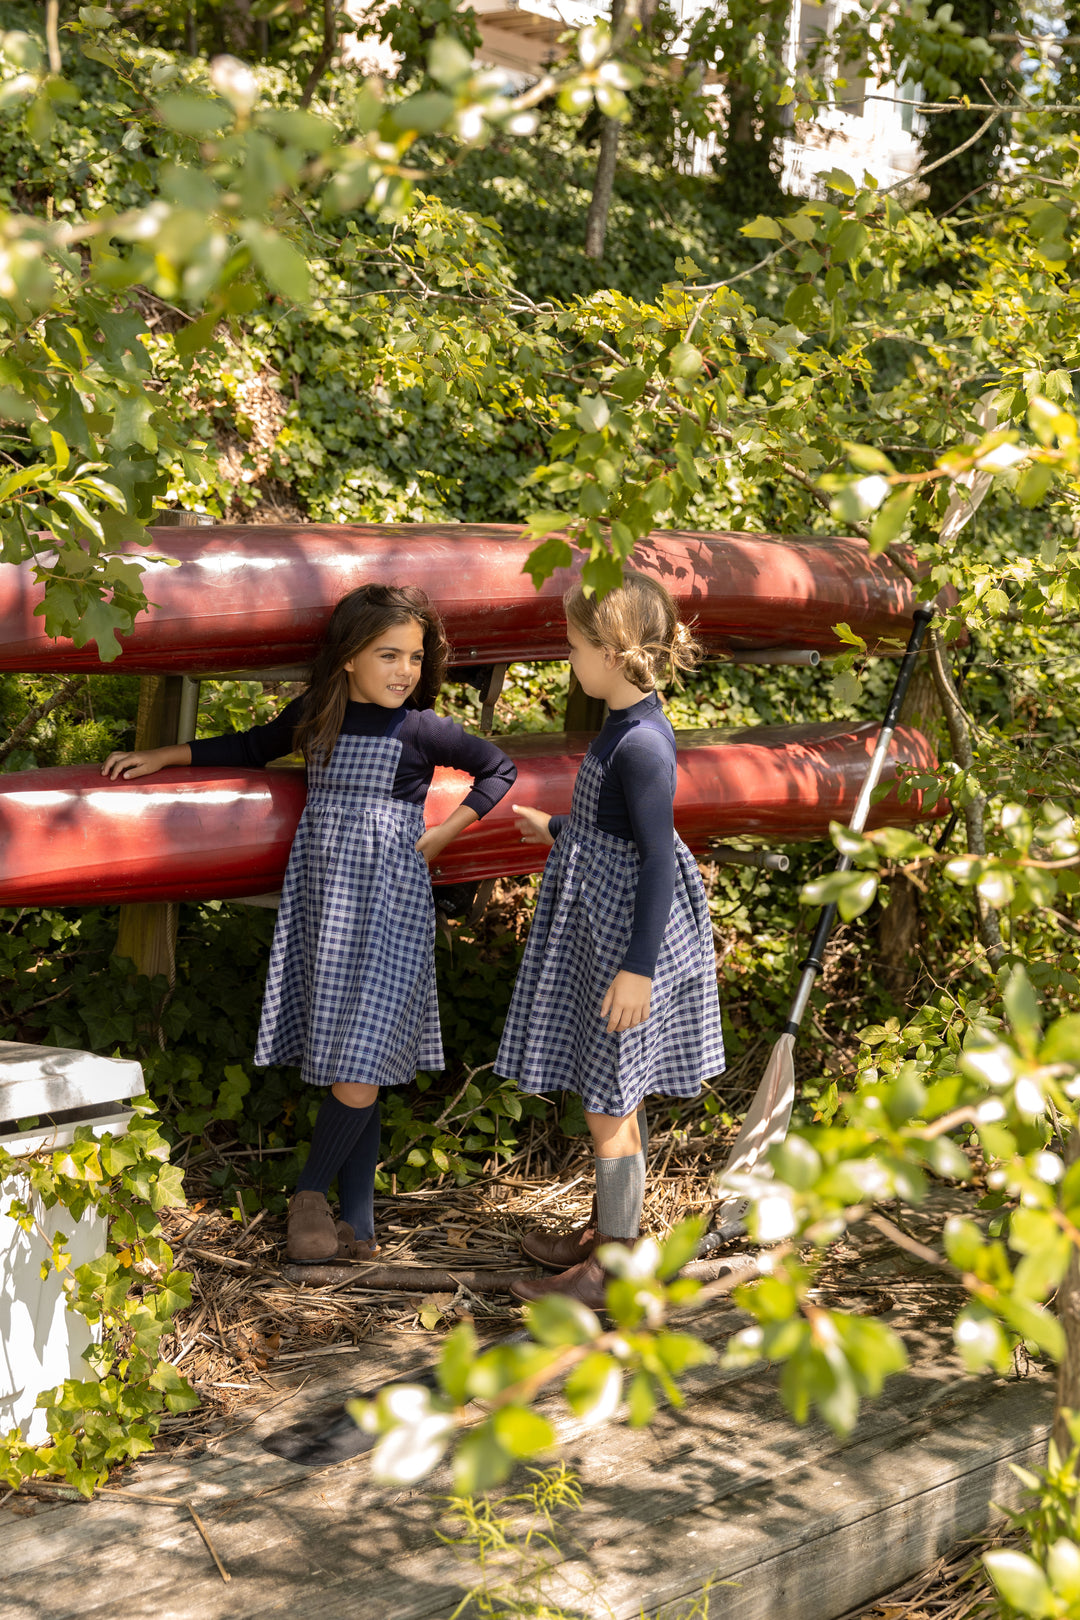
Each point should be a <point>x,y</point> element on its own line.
<point>312,1237</point>
<point>350,1247</point>
<point>586,1281</point>
<point>560,1253</point>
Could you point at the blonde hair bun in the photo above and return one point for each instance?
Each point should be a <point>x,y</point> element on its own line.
<point>640,622</point>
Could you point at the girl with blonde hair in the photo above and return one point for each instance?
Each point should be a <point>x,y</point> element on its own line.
<point>616,998</point>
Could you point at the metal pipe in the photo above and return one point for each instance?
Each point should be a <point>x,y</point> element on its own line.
<point>770,860</point>
<point>809,657</point>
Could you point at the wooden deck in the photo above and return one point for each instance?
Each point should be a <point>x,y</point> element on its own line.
<point>803,1526</point>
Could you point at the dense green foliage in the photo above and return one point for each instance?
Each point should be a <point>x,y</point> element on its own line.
<point>210,297</point>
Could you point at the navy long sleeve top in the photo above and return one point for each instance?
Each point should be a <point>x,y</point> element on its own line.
<point>427,739</point>
<point>636,751</point>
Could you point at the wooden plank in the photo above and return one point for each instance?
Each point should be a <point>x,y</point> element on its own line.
<point>836,1534</point>
<point>664,1508</point>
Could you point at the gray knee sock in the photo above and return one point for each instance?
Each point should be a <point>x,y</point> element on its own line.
<point>643,1132</point>
<point>620,1193</point>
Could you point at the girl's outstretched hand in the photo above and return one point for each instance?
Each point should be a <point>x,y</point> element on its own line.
<point>126,766</point>
<point>627,1002</point>
<point>532,825</point>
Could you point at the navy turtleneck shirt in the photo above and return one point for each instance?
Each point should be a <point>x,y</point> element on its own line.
<point>427,739</point>
<point>636,751</point>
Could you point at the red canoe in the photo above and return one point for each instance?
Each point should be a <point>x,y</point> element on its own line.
<point>68,837</point>
<point>258,597</point>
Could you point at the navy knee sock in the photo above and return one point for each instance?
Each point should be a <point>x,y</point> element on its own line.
<point>338,1128</point>
<point>356,1178</point>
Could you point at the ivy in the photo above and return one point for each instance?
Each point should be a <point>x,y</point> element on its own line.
<point>130,1296</point>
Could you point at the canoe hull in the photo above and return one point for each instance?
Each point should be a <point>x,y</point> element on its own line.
<point>70,838</point>
<point>258,597</point>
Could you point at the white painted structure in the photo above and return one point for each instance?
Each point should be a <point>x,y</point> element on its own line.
<point>41,1342</point>
<point>869,131</point>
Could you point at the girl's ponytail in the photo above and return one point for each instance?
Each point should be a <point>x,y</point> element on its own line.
<point>640,622</point>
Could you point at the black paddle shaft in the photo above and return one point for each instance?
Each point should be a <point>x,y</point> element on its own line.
<point>812,966</point>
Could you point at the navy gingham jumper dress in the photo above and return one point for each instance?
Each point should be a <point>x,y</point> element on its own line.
<point>555,1038</point>
<point>350,992</point>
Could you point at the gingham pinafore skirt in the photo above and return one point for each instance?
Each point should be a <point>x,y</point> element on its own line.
<point>350,992</point>
<point>555,1038</point>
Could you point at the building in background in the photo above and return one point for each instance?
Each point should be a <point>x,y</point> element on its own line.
<point>873,129</point>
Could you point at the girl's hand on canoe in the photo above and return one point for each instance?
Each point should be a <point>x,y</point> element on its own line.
<point>627,1002</point>
<point>126,766</point>
<point>532,825</point>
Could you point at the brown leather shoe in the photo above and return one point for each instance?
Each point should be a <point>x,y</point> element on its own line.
<point>562,1252</point>
<point>350,1247</point>
<point>586,1282</point>
<point>312,1237</point>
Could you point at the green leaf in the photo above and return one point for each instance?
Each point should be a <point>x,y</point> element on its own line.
<point>23,476</point>
<point>448,61</point>
<point>539,523</point>
<point>282,265</point>
<point>1062,1042</point>
<point>195,115</point>
<point>593,413</point>
<point>628,385</point>
<point>849,241</point>
<point>640,1399</point>
<point>131,421</point>
<point>762,227</point>
<point>96,17</point>
<point>680,1246</point>
<point>963,1242</point>
<point>1021,1582</point>
<point>1022,1007</point>
<point>521,1432</point>
<point>425,113</point>
<point>890,519</point>
<point>458,1356</point>
<point>1036,480</point>
<point>75,504</point>
<point>868,459</point>
<point>851,892</point>
<point>480,1462</point>
<point>304,129</point>
<point>801,226</point>
<point>555,1320</point>
<point>685,360</point>
<point>801,305</point>
<point>543,560</point>
<point>594,1387</point>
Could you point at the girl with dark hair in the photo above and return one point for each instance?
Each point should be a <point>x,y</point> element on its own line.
<point>350,992</point>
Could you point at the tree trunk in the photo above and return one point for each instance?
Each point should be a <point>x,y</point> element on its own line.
<point>975,812</point>
<point>1068,1310</point>
<point>325,56</point>
<point>596,221</point>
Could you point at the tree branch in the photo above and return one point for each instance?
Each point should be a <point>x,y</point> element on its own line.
<point>325,56</point>
<point>38,712</point>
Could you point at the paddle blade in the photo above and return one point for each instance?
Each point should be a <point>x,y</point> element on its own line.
<point>765,1124</point>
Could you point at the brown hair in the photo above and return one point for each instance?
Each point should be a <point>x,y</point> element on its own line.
<point>641,623</point>
<point>356,621</point>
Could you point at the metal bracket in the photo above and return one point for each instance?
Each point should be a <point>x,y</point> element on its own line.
<point>491,695</point>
